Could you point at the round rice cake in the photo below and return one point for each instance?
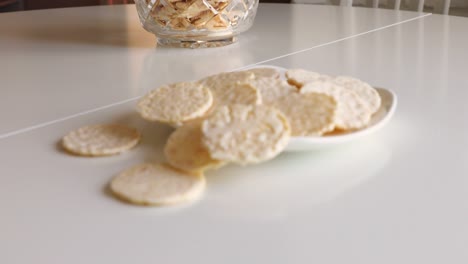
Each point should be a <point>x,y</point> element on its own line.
<point>235,93</point>
<point>245,134</point>
<point>272,89</point>
<point>351,112</point>
<point>157,184</point>
<point>221,79</point>
<point>299,77</point>
<point>367,93</point>
<point>198,119</point>
<point>101,140</point>
<point>310,114</point>
<point>176,103</point>
<point>265,73</point>
<point>184,149</point>
<point>232,88</point>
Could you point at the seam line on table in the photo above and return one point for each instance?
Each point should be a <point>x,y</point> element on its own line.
<point>26,129</point>
<point>34,127</point>
<point>338,40</point>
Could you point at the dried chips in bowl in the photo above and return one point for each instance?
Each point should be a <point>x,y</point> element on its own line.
<point>196,23</point>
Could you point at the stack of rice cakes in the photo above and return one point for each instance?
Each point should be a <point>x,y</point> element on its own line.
<point>243,117</point>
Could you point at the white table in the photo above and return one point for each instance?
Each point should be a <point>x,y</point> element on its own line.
<point>398,196</point>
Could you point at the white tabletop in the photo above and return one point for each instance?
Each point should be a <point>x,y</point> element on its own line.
<point>397,196</point>
<point>95,56</point>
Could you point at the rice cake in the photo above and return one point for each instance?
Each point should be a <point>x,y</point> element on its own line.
<point>300,77</point>
<point>310,114</point>
<point>184,149</point>
<point>221,79</point>
<point>367,93</point>
<point>351,112</point>
<point>157,184</point>
<point>100,140</point>
<point>176,103</point>
<point>245,134</point>
<point>265,73</point>
<point>236,93</point>
<point>272,89</point>
<point>232,88</point>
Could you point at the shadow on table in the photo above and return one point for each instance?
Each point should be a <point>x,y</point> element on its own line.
<point>296,182</point>
<point>153,136</point>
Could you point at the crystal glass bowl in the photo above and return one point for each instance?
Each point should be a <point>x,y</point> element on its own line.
<point>196,23</point>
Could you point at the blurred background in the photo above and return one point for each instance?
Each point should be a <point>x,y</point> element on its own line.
<point>455,7</point>
<point>18,5</point>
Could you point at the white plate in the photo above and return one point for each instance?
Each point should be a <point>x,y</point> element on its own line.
<point>378,120</point>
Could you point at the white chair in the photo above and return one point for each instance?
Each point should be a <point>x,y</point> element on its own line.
<point>439,6</point>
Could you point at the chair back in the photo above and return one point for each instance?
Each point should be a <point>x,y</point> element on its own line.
<point>438,6</point>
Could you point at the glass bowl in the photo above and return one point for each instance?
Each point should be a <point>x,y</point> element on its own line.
<point>196,23</point>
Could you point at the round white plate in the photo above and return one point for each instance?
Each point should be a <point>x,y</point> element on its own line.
<point>378,120</point>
